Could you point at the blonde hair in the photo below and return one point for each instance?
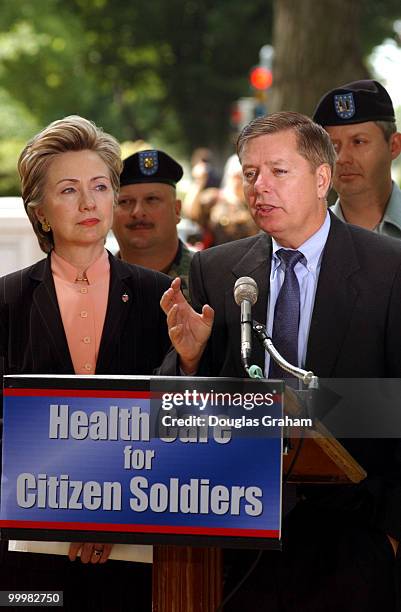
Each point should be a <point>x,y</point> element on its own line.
<point>72,133</point>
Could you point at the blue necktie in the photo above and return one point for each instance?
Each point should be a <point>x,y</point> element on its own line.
<point>286,314</point>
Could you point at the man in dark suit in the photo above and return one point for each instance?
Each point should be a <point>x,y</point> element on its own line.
<point>330,296</point>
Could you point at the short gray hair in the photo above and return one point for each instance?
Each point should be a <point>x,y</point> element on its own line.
<point>313,141</point>
<point>388,128</point>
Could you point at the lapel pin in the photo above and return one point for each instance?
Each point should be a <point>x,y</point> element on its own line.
<point>125,297</point>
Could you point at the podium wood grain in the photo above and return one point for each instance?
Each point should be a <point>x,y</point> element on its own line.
<point>186,579</point>
<point>322,459</point>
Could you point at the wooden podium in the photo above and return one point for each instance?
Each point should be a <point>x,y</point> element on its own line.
<point>187,579</point>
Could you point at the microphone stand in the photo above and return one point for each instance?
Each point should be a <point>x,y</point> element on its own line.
<point>307,377</point>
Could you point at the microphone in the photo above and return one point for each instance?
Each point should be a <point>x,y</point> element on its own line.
<point>246,295</point>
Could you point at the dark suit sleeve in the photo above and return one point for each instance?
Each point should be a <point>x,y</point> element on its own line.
<point>388,517</point>
<point>164,344</point>
<point>207,287</point>
<point>170,365</point>
<point>389,508</point>
<point>393,329</point>
<point>152,318</point>
<point>197,291</point>
<point>198,298</point>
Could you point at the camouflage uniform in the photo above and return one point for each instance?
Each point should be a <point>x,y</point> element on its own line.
<point>180,267</point>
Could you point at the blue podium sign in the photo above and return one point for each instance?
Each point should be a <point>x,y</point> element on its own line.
<point>149,460</point>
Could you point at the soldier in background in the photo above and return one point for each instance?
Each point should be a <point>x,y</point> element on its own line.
<point>147,213</point>
<point>359,118</point>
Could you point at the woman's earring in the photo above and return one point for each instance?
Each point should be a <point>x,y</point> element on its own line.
<point>45,226</point>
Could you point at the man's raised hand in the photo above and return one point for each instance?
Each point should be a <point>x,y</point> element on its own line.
<point>188,330</point>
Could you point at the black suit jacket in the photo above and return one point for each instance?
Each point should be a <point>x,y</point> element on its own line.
<point>32,337</point>
<point>355,330</point>
<point>356,322</point>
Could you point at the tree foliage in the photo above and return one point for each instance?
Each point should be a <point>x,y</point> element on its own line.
<point>177,67</point>
<point>377,19</point>
<point>171,70</point>
<point>166,72</point>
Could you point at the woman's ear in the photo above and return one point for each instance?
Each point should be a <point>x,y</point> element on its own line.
<point>39,213</point>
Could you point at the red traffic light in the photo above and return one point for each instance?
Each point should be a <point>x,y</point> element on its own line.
<point>261,77</point>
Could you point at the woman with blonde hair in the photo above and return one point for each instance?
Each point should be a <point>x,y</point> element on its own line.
<point>82,311</point>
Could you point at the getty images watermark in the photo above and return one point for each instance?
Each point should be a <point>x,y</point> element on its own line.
<point>202,400</point>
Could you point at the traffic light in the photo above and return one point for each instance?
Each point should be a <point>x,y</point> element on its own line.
<point>261,78</point>
<point>245,109</point>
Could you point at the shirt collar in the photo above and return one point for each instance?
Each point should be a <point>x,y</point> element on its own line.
<point>311,249</point>
<point>95,273</point>
<point>337,210</point>
<point>392,214</point>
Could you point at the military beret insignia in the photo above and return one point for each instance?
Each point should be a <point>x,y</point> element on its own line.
<point>151,166</point>
<point>344,105</point>
<point>148,162</point>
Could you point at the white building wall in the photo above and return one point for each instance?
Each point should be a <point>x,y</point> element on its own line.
<point>19,247</point>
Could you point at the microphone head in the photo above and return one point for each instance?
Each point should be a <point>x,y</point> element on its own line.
<point>245,288</point>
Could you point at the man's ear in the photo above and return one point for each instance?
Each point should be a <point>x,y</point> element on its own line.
<point>395,145</point>
<point>323,178</point>
<point>178,211</point>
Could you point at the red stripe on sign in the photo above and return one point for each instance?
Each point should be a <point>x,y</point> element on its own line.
<point>217,531</point>
<point>76,393</point>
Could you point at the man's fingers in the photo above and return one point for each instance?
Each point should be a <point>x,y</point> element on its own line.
<point>172,316</point>
<point>172,296</point>
<point>175,329</point>
<point>176,284</point>
<point>167,300</point>
<point>208,315</point>
<point>174,319</point>
<point>176,333</point>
